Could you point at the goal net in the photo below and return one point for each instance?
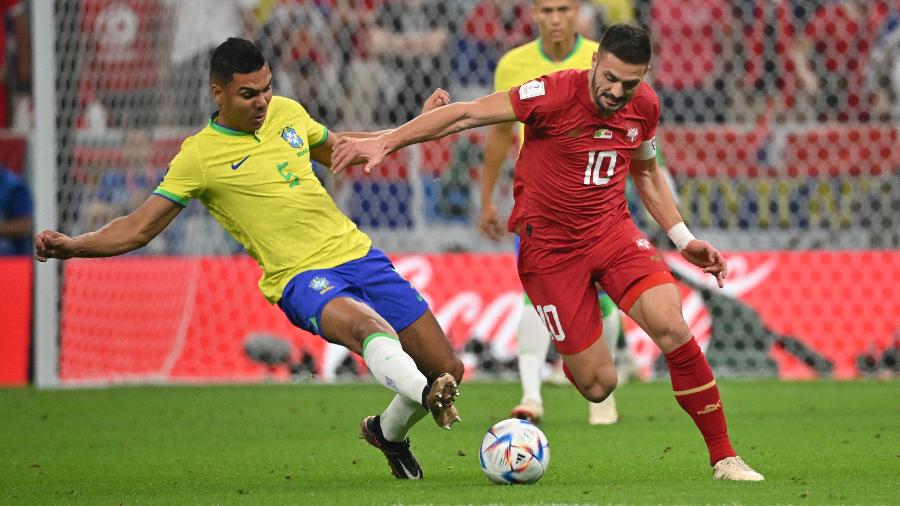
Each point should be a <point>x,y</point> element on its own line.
<point>779,128</point>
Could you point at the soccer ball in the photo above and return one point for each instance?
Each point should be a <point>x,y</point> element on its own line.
<point>514,451</point>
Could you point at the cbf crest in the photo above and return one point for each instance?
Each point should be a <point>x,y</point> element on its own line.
<point>290,135</point>
<point>320,284</point>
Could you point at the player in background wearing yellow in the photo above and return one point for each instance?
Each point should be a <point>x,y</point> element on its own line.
<point>558,47</point>
<point>250,166</point>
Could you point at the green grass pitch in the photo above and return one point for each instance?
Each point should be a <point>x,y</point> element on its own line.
<point>816,442</point>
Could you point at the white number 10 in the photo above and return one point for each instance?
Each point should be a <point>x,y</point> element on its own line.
<point>551,321</point>
<point>595,166</point>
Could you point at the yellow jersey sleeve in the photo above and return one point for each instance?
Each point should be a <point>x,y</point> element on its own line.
<point>185,178</point>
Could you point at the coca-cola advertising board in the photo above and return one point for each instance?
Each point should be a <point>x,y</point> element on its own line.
<point>793,315</point>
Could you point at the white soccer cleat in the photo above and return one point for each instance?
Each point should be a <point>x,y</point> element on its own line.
<point>603,413</point>
<point>735,469</point>
<point>530,410</point>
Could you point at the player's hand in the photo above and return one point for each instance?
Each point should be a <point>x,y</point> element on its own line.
<point>51,244</point>
<point>489,224</point>
<point>437,99</point>
<point>704,255</point>
<point>346,152</point>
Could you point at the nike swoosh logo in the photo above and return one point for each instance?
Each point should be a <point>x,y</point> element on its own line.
<point>408,473</point>
<point>392,356</point>
<point>235,166</point>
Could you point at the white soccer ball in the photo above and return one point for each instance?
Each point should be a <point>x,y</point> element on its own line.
<point>514,451</point>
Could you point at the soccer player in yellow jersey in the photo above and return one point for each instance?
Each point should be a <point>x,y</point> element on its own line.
<point>250,166</point>
<point>558,47</point>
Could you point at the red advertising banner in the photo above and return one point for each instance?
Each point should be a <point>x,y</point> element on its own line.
<point>788,314</point>
<point>15,319</point>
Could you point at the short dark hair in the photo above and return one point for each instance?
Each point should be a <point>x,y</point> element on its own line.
<point>234,56</point>
<point>629,43</point>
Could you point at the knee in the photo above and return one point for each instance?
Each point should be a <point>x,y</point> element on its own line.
<point>366,326</point>
<point>600,387</point>
<point>597,392</point>
<point>672,334</point>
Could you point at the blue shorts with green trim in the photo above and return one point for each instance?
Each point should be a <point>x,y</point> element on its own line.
<point>371,280</point>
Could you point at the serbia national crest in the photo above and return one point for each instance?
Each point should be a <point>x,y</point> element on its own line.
<point>290,135</point>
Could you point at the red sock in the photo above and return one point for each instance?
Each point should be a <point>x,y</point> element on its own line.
<point>696,392</point>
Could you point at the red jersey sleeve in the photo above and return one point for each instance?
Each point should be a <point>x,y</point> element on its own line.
<point>533,100</point>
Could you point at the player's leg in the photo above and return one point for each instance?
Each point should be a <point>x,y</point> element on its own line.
<point>605,412</point>
<point>421,337</point>
<point>565,296</point>
<point>657,310</point>
<point>533,343</point>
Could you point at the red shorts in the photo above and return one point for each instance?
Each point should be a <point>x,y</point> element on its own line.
<point>563,287</point>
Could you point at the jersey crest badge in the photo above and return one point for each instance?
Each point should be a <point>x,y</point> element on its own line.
<point>603,133</point>
<point>531,89</point>
<point>642,243</point>
<point>632,134</point>
<point>289,135</point>
<point>320,284</point>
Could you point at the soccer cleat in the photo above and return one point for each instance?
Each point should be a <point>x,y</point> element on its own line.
<point>529,410</point>
<point>404,465</point>
<point>735,469</point>
<point>603,413</point>
<point>440,401</point>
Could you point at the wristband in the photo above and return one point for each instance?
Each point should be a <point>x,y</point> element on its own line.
<point>680,235</point>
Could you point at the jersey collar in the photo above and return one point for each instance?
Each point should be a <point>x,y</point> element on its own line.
<point>224,130</point>
<point>572,52</point>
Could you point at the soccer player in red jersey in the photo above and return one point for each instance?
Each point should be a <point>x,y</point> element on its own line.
<point>585,131</point>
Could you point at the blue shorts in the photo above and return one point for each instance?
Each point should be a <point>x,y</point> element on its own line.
<point>371,280</point>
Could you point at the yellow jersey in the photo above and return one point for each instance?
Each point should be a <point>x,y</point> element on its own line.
<point>528,61</point>
<point>261,188</point>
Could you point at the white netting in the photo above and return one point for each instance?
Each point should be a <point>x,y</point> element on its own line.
<point>780,118</point>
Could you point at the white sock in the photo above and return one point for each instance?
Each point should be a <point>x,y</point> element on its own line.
<point>392,367</point>
<point>400,416</point>
<point>534,340</point>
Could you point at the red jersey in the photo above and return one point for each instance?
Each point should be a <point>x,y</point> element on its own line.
<point>570,175</point>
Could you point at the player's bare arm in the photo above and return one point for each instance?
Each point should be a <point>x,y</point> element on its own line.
<point>322,152</point>
<point>496,146</point>
<point>117,237</point>
<point>657,197</point>
<point>441,122</point>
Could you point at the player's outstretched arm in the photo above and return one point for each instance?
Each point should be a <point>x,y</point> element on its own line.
<point>323,152</point>
<point>441,122</point>
<point>657,197</point>
<point>117,237</point>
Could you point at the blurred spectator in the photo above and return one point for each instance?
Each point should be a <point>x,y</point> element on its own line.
<point>832,54</point>
<point>297,42</point>
<point>769,71</point>
<point>884,69</point>
<point>15,60</point>
<point>124,185</point>
<point>200,25</point>
<point>596,15</point>
<point>350,22</point>
<point>491,28</point>
<point>15,214</point>
<point>119,83</point>
<point>693,58</point>
<point>411,38</point>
